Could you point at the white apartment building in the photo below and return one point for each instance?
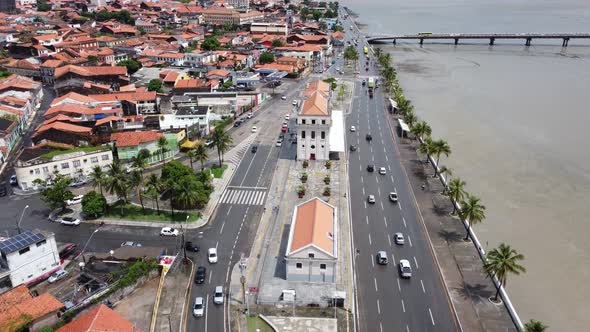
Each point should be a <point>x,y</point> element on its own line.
<point>43,161</point>
<point>194,118</point>
<point>279,29</point>
<point>28,256</point>
<point>314,122</point>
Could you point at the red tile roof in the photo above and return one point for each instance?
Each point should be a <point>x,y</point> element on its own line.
<point>62,126</point>
<point>91,70</point>
<point>17,304</point>
<point>100,319</point>
<point>134,138</point>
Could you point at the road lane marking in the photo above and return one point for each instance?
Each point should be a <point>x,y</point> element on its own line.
<point>371,243</point>
<point>423,289</point>
<point>389,239</point>
<point>378,307</point>
<point>393,258</point>
<point>360,168</point>
<point>372,260</point>
<point>416,261</point>
<point>407,328</point>
<point>362,179</point>
<point>206,311</point>
<point>228,210</point>
<point>382,206</point>
<point>394,188</point>
<point>367,219</point>
<point>222,225</point>
<point>379,193</point>
<point>210,274</point>
<point>216,244</point>
<point>392,179</point>
<point>399,205</point>
<point>404,220</point>
<point>431,318</point>
<point>380,327</point>
<point>363,191</point>
<point>385,221</point>
<point>387,159</point>
<point>403,306</point>
<point>399,286</point>
<point>389,166</point>
<point>377,178</point>
<point>376,288</point>
<point>410,240</point>
<point>365,203</point>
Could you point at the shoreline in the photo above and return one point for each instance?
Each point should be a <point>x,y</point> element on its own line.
<point>433,226</point>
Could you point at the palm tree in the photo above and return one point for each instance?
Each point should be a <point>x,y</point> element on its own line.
<point>118,182</point>
<point>535,326</point>
<point>421,129</point>
<point>162,145</point>
<point>154,188</point>
<point>440,147</point>
<point>427,147</point>
<point>98,178</point>
<point>222,141</point>
<point>185,195</point>
<point>136,181</point>
<point>410,117</point>
<point>456,191</point>
<point>191,154</point>
<point>201,154</point>
<point>447,172</point>
<point>378,52</point>
<point>139,162</point>
<point>500,262</point>
<point>472,212</point>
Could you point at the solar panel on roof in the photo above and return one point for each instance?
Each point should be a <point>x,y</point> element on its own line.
<point>20,241</point>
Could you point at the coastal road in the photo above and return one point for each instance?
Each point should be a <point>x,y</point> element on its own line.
<point>385,301</point>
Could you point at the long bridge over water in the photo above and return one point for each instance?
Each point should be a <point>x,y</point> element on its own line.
<point>527,37</point>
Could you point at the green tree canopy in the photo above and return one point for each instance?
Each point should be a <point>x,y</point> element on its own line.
<point>277,43</point>
<point>94,204</point>
<point>211,44</point>
<point>132,65</point>
<point>266,58</point>
<point>155,85</point>
<point>57,194</point>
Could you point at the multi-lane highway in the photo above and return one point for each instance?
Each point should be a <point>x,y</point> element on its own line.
<point>387,302</point>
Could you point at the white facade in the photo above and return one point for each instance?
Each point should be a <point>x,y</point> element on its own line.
<point>175,121</point>
<point>38,257</point>
<point>269,28</point>
<point>199,59</point>
<point>313,137</point>
<point>74,165</point>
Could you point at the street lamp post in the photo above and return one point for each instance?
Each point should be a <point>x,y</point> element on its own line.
<point>21,219</point>
<point>87,242</point>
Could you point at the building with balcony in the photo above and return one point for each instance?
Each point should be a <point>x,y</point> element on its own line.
<point>314,123</point>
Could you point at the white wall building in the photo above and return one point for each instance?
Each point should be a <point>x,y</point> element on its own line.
<point>314,122</point>
<point>42,162</point>
<point>28,256</point>
<point>195,118</point>
<point>312,250</point>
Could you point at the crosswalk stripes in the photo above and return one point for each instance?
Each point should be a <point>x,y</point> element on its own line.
<point>243,196</point>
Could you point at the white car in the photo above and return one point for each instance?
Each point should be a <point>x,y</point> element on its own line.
<point>199,307</point>
<point>75,200</point>
<point>382,170</point>
<point>218,295</point>
<point>279,142</point>
<point>287,117</point>
<point>212,255</point>
<point>371,199</point>
<point>169,231</point>
<point>294,102</point>
<point>284,98</point>
<point>399,238</point>
<point>405,270</point>
<point>57,275</point>
<point>352,129</point>
<point>254,129</point>
<point>70,221</point>
<point>250,115</point>
<point>393,196</point>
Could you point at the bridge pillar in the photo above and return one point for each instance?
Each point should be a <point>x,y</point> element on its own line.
<point>492,41</point>
<point>421,41</point>
<point>456,41</point>
<point>528,42</point>
<point>394,42</point>
<point>565,42</point>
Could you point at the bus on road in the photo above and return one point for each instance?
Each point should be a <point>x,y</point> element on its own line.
<point>371,83</point>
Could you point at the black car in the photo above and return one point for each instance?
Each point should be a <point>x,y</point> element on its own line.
<point>237,123</point>
<point>370,168</point>
<point>254,148</point>
<point>368,137</point>
<point>352,147</point>
<point>3,191</point>
<point>188,245</point>
<point>200,275</point>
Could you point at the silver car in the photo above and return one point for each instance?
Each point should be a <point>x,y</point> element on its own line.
<point>57,276</point>
<point>399,238</point>
<point>199,307</point>
<point>218,295</point>
<point>371,199</point>
<point>405,270</point>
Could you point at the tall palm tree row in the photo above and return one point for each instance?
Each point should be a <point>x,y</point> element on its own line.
<point>154,188</point>
<point>472,212</point>
<point>456,191</point>
<point>118,182</point>
<point>421,129</point>
<point>222,140</point>
<point>440,147</point>
<point>98,178</point>
<point>501,262</point>
<point>201,154</point>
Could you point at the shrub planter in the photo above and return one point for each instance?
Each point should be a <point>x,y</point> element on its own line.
<point>304,177</point>
<point>301,191</point>
<point>327,179</point>
<point>328,164</point>
<point>327,191</point>
<point>305,163</point>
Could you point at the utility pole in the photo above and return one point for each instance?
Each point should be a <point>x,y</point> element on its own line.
<point>243,282</point>
<point>21,219</point>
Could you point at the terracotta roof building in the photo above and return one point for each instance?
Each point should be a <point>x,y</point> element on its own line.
<point>100,319</point>
<point>312,253</point>
<point>314,123</point>
<point>18,305</point>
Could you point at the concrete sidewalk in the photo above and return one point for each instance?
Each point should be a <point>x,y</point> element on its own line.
<point>174,301</point>
<point>461,268</point>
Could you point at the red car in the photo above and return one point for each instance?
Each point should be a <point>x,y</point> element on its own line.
<point>284,129</point>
